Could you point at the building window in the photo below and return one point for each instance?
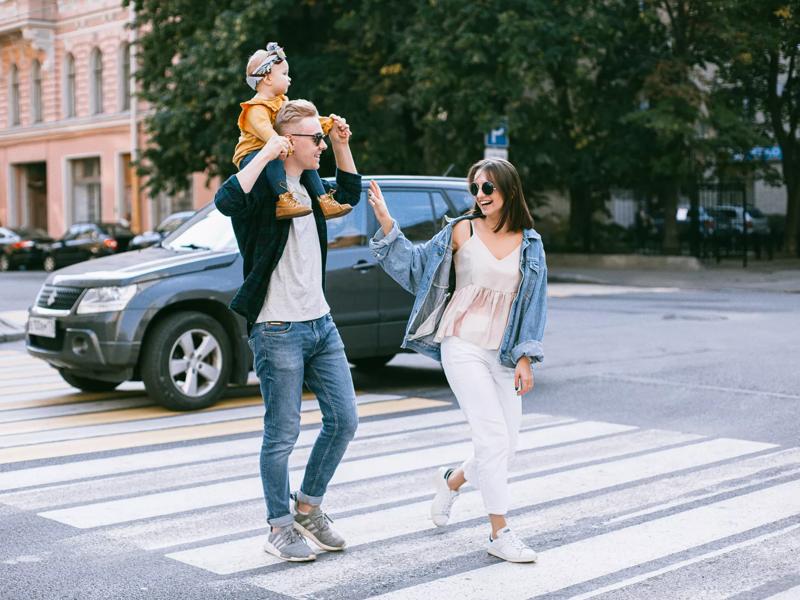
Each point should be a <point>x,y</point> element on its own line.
<point>69,108</point>
<point>125,77</point>
<point>14,96</point>
<point>36,91</point>
<point>96,74</point>
<point>86,201</point>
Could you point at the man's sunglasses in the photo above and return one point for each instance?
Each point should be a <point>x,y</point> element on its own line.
<point>487,188</point>
<point>315,137</point>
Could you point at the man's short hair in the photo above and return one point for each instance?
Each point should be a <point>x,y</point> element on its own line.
<point>293,111</point>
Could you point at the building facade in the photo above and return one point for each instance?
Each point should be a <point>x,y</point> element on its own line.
<point>69,118</point>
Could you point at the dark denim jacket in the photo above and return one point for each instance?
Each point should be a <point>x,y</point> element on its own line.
<point>262,238</point>
<point>424,270</point>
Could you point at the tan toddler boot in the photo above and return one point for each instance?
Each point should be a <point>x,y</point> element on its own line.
<point>331,208</point>
<point>287,207</point>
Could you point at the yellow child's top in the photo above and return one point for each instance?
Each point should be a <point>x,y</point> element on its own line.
<point>255,124</point>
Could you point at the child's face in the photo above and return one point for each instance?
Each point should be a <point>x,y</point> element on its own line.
<point>278,78</point>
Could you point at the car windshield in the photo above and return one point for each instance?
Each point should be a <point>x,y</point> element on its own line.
<point>754,212</point>
<point>207,230</point>
<point>170,224</point>
<point>32,233</point>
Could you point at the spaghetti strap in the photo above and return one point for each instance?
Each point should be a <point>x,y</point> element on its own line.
<point>471,231</point>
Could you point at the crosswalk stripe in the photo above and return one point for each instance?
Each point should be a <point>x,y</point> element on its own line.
<point>361,567</point>
<point>26,414</point>
<point>181,434</point>
<point>685,563</point>
<point>120,511</point>
<point>117,422</point>
<point>72,397</point>
<point>245,554</point>
<point>13,390</point>
<point>790,594</point>
<point>154,459</point>
<point>226,521</point>
<point>608,553</point>
<point>112,416</point>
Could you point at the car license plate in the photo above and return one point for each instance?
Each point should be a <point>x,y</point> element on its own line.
<point>42,327</point>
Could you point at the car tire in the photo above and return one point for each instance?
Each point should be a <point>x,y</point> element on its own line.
<point>186,361</point>
<point>5,263</point>
<point>86,383</point>
<point>372,362</point>
<point>49,264</point>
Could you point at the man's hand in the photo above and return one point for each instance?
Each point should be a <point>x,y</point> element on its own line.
<point>340,132</point>
<point>523,376</point>
<point>376,201</point>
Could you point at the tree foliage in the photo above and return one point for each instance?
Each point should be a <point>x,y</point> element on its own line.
<point>651,95</point>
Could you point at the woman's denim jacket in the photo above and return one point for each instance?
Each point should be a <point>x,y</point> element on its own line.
<point>424,270</point>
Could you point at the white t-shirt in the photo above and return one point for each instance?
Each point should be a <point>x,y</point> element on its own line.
<point>295,288</point>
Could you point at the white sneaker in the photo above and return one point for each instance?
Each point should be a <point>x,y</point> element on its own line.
<point>443,500</point>
<point>509,547</point>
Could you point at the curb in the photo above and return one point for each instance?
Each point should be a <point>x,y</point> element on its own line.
<point>623,261</point>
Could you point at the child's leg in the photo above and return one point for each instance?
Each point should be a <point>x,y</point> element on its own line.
<point>286,205</point>
<point>330,207</point>
<point>276,175</point>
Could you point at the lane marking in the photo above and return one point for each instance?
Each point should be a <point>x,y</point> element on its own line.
<point>181,434</point>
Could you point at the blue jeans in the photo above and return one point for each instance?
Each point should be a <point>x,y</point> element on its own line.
<point>286,355</point>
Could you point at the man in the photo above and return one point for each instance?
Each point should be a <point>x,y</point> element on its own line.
<point>292,334</point>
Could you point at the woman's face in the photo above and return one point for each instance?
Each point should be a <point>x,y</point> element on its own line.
<point>490,204</point>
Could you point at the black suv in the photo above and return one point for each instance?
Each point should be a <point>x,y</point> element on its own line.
<point>140,315</point>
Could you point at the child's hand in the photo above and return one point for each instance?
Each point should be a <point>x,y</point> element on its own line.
<point>279,146</point>
<point>340,132</point>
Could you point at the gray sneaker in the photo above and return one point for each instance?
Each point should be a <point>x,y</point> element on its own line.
<point>287,544</point>
<point>316,526</point>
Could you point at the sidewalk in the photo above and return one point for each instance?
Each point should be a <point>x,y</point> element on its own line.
<point>779,276</point>
<point>12,325</point>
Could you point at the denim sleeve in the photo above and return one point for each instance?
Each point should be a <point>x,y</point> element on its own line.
<point>230,199</point>
<point>534,318</point>
<point>402,260</point>
<point>348,187</point>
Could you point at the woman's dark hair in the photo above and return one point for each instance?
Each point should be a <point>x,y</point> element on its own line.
<point>505,178</point>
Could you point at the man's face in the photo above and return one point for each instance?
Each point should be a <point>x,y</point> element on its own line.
<point>306,152</point>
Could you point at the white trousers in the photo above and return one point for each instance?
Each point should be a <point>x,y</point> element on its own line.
<point>485,392</point>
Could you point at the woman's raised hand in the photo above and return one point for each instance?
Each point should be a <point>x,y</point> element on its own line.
<point>378,205</point>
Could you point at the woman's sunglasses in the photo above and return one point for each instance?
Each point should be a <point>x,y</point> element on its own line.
<point>487,188</point>
<point>315,137</point>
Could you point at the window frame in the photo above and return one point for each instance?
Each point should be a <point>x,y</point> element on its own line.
<point>69,86</point>
<point>37,112</point>
<point>13,97</point>
<point>96,81</point>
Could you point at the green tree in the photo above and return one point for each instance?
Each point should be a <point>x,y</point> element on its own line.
<point>761,76</point>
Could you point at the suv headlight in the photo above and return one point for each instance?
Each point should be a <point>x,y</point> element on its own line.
<point>106,299</point>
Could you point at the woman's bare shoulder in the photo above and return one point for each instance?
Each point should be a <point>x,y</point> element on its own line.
<point>461,233</point>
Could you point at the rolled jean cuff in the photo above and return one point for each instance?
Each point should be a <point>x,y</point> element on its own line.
<point>306,499</point>
<point>284,521</point>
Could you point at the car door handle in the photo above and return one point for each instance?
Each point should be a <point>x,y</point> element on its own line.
<point>363,265</point>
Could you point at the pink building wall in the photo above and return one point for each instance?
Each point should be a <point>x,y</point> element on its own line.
<point>47,31</point>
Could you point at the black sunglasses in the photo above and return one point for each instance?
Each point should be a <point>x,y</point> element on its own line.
<point>315,137</point>
<point>487,188</point>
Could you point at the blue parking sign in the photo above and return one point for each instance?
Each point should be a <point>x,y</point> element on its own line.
<point>497,136</point>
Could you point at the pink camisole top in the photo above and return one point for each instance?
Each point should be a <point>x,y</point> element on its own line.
<point>485,289</point>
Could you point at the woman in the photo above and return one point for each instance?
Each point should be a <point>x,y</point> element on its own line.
<point>486,331</point>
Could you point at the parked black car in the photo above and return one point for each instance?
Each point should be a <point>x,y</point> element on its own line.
<point>167,226</point>
<point>22,247</point>
<point>86,240</point>
<point>142,315</point>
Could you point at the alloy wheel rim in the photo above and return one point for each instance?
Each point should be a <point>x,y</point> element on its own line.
<point>195,362</point>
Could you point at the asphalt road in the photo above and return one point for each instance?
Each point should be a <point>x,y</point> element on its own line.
<point>18,289</point>
<point>658,459</point>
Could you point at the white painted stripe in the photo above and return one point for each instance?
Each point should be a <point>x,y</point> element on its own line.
<point>611,552</point>
<point>791,594</point>
<point>46,412</point>
<point>10,480</point>
<point>245,554</point>
<point>697,386</point>
<point>152,505</point>
<point>434,547</point>
<point>685,563</point>
<point>192,528</point>
<point>164,422</point>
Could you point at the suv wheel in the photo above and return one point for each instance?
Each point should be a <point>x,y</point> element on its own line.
<point>49,264</point>
<point>372,362</point>
<point>86,383</point>
<point>186,361</point>
<point>5,263</point>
